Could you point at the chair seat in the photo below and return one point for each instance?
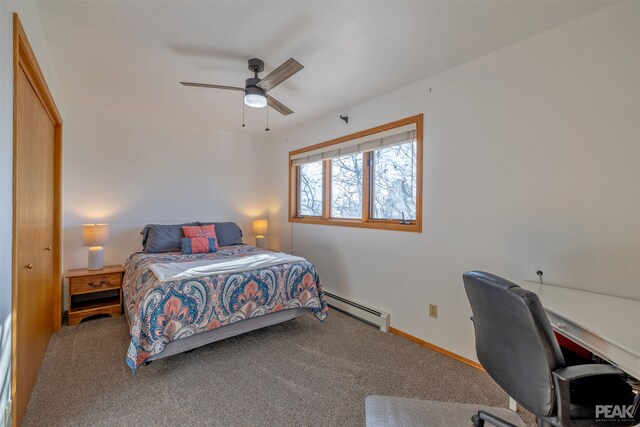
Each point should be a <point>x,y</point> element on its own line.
<point>588,392</point>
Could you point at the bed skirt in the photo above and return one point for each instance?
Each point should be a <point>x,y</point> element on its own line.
<point>237,328</point>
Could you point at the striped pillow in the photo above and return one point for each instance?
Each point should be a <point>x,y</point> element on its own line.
<point>198,245</point>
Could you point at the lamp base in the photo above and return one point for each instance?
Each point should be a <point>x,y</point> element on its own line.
<point>96,258</point>
<point>260,242</point>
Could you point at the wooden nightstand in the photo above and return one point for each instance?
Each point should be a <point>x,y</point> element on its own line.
<point>94,292</point>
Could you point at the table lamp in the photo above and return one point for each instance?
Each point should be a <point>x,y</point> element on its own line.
<point>260,228</point>
<point>95,236</point>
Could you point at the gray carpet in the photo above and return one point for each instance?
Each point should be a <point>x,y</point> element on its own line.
<point>385,411</point>
<point>299,373</point>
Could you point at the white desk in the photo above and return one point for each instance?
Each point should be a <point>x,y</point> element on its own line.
<point>605,325</point>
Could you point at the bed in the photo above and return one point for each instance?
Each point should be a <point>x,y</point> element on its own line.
<point>172,316</point>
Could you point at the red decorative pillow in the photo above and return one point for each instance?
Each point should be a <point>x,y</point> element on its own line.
<point>198,245</point>
<point>191,231</point>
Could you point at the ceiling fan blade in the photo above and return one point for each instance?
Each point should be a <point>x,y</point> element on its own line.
<point>212,86</point>
<point>280,74</point>
<point>278,106</point>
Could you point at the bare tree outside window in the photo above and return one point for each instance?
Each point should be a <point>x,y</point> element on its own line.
<point>346,186</point>
<point>311,189</point>
<point>394,182</point>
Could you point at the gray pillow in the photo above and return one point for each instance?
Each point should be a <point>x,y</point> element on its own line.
<point>228,233</point>
<point>157,238</point>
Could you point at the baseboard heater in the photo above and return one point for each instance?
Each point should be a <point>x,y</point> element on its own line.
<point>376,317</point>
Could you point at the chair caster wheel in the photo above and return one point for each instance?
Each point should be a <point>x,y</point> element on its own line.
<point>477,421</point>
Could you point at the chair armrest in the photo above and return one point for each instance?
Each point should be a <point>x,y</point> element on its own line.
<point>581,371</point>
<point>562,380</point>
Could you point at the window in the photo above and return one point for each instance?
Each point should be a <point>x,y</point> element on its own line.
<point>393,188</point>
<point>311,189</point>
<point>346,186</point>
<point>370,179</point>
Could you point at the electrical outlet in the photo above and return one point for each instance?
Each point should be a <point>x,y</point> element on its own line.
<point>7,414</point>
<point>433,311</point>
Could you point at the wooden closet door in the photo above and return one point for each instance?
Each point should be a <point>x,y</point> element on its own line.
<point>34,233</point>
<point>36,277</point>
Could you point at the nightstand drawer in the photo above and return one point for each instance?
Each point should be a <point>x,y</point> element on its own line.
<point>87,284</point>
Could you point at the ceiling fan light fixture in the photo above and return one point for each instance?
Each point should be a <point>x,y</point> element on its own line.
<point>255,97</point>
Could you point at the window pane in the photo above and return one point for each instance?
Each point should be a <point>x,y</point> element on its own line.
<point>394,182</point>
<point>346,186</point>
<point>311,189</point>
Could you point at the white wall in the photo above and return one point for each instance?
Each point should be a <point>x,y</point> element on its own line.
<point>124,170</point>
<point>130,171</point>
<point>530,162</point>
<point>31,23</point>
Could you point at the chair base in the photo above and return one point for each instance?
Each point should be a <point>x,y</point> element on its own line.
<point>482,416</point>
<point>479,419</point>
<point>543,423</point>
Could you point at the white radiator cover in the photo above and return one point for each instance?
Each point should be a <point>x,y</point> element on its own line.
<point>372,315</point>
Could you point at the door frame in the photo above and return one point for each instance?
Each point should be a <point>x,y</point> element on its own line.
<point>24,59</point>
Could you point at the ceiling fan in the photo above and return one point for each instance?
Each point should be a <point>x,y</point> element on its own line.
<point>255,89</point>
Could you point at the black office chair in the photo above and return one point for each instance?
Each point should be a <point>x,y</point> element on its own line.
<point>516,346</point>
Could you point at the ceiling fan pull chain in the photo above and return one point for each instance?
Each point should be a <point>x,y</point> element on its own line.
<point>267,128</point>
<point>242,99</point>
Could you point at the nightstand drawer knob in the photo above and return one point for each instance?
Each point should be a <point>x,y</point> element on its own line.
<point>29,266</point>
<point>99,284</point>
<point>48,248</point>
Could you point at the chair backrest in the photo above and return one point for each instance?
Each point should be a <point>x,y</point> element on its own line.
<point>514,340</point>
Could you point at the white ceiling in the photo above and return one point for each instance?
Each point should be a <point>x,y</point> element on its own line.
<point>128,56</point>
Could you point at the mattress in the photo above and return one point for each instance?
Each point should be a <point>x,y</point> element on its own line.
<point>160,313</point>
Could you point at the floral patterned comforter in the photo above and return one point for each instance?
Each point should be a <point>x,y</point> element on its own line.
<point>159,313</point>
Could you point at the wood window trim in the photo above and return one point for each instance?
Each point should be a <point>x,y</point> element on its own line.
<point>366,221</point>
<point>326,190</point>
